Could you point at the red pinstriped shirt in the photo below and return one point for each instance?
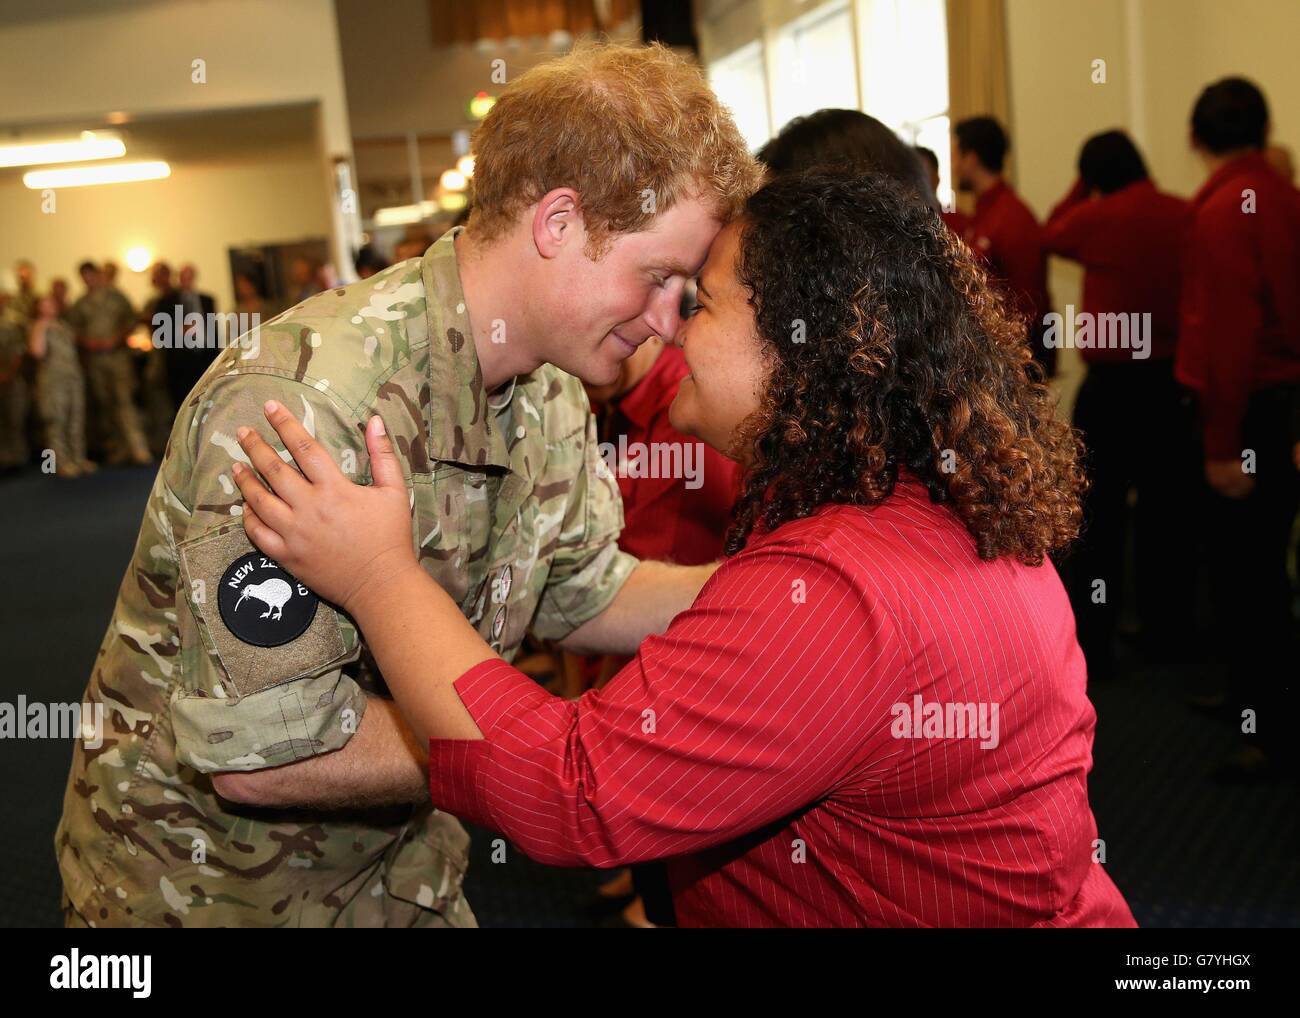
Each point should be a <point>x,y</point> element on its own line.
<point>759,744</point>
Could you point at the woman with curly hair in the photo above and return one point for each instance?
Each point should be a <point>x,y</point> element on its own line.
<point>874,713</point>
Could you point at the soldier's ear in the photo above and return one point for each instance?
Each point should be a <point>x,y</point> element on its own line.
<point>557,222</point>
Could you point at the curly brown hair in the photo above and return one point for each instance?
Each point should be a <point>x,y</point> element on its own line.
<point>888,349</point>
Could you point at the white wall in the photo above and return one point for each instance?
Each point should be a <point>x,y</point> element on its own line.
<point>1159,55</point>
<point>194,215</point>
<point>72,62</point>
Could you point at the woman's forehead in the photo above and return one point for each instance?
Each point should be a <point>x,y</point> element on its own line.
<point>719,272</point>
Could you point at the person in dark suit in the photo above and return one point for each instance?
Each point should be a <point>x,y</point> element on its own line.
<point>187,318</point>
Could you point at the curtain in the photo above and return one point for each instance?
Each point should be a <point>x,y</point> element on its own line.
<point>977,63</point>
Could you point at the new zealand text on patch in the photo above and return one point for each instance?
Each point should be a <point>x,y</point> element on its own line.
<point>262,604</point>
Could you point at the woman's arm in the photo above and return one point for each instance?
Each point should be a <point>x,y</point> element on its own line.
<point>1068,227</point>
<point>753,705</point>
<point>36,340</point>
<point>418,636</point>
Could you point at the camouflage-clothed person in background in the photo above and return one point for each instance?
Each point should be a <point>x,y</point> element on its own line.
<point>511,516</point>
<point>61,396</point>
<point>14,398</point>
<point>103,318</point>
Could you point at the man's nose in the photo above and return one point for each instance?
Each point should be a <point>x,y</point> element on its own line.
<point>664,315</point>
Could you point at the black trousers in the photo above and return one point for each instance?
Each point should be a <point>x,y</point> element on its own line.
<point>1247,543</point>
<point>1138,429</point>
<point>650,880</point>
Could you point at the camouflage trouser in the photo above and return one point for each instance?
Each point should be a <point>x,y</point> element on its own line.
<point>382,910</point>
<point>72,919</point>
<point>13,422</point>
<point>111,377</point>
<point>62,399</point>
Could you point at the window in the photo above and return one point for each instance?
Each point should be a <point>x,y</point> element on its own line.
<point>812,65</point>
<point>741,84</point>
<point>888,58</point>
<point>903,67</point>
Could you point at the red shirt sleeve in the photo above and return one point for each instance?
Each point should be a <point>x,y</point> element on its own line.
<point>1071,223</point>
<point>1230,320</point>
<point>768,692</point>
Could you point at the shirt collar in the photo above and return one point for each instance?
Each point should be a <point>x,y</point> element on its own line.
<point>463,426</point>
<point>1251,162</point>
<point>989,198</point>
<point>656,390</point>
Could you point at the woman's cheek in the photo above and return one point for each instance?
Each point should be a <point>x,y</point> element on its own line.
<point>679,411</point>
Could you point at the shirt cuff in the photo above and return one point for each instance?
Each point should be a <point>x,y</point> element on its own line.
<point>460,779</point>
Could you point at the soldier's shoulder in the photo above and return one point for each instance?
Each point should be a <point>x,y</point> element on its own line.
<point>346,341</point>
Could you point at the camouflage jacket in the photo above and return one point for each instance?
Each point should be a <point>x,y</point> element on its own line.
<point>13,342</point>
<point>204,670</point>
<point>102,315</point>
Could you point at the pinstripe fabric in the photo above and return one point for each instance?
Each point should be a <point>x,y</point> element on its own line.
<point>755,743</point>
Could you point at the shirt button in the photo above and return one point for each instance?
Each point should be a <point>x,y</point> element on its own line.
<point>519,432</point>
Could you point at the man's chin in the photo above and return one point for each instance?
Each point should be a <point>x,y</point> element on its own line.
<point>596,372</point>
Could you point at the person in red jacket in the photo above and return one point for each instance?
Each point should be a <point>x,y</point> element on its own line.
<point>1239,351</point>
<point>954,218</point>
<point>1002,229</point>
<point>669,514</point>
<point>1129,238</point>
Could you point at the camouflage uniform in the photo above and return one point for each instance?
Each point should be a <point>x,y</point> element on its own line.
<point>511,516</point>
<point>61,395</point>
<point>13,388</point>
<point>25,302</point>
<point>103,317</point>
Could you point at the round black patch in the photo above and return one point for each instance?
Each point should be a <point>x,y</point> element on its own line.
<point>262,604</point>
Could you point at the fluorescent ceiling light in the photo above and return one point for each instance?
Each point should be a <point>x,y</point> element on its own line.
<point>108,173</point>
<point>68,150</point>
<point>401,215</point>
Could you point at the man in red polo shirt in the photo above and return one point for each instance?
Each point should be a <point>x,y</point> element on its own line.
<point>669,515</point>
<point>1129,238</point>
<point>1003,229</point>
<point>955,219</point>
<point>1239,351</point>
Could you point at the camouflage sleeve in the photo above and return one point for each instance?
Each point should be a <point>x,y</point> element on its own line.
<point>262,681</point>
<point>588,568</point>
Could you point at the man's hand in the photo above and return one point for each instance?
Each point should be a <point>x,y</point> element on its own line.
<point>1228,478</point>
<point>339,538</point>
